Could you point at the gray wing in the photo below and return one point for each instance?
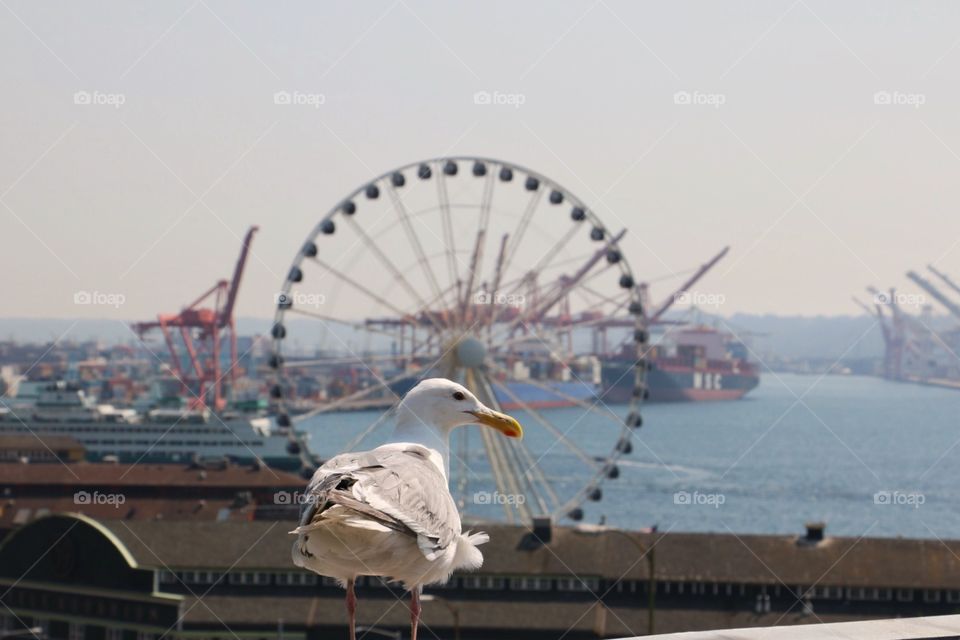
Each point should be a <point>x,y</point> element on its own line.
<point>398,488</point>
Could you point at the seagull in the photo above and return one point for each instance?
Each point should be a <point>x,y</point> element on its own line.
<point>388,512</point>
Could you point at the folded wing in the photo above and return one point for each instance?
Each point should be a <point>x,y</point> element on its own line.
<point>394,486</point>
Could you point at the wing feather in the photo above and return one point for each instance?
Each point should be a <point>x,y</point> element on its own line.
<point>395,486</point>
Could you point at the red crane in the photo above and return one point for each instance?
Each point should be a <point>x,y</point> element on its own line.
<point>202,330</point>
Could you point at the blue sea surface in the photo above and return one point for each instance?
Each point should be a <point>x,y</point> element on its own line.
<point>866,456</point>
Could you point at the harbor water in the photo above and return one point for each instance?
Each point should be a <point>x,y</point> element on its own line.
<point>867,456</point>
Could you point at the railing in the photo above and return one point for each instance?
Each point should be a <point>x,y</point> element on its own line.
<point>931,628</point>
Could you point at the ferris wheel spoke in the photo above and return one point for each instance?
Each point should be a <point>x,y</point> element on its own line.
<point>359,287</point>
<point>516,282</point>
<point>593,276</point>
<point>559,435</point>
<point>386,262</point>
<point>323,362</point>
<point>522,460</point>
<point>343,401</point>
<point>497,466</point>
<point>546,261</point>
<point>618,303</point>
<point>518,456</point>
<point>416,317</point>
<point>322,317</point>
<point>517,236</point>
<point>583,322</point>
<point>560,288</point>
<point>493,313</point>
<point>532,474</point>
<point>464,306</point>
<point>589,406</point>
<point>535,475</point>
<point>447,222</point>
<point>504,472</point>
<point>476,260</point>
<point>414,240</point>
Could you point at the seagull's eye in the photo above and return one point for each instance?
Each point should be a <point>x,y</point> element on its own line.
<point>458,395</point>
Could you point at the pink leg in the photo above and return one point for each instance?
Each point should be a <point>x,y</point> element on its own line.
<point>352,609</point>
<point>414,612</point>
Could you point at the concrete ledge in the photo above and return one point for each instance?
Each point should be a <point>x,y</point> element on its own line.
<point>937,627</point>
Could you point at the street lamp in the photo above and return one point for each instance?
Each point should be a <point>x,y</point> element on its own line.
<point>454,611</point>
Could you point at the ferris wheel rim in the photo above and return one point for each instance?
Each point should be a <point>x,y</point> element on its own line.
<point>601,471</point>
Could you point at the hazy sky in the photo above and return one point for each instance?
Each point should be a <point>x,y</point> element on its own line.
<point>788,157</point>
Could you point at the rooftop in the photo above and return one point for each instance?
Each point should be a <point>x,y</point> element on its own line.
<point>701,557</point>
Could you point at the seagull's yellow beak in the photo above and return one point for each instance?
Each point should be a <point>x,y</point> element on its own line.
<point>500,421</point>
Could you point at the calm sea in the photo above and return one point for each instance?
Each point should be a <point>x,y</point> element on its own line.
<point>866,456</point>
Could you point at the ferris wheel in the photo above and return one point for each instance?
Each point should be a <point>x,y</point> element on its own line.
<point>484,272</point>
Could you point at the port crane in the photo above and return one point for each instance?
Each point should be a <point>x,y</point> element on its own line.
<point>914,350</point>
<point>202,327</point>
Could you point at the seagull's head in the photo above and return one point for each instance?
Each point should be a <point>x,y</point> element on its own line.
<point>444,405</point>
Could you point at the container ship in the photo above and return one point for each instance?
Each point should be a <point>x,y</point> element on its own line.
<point>693,364</point>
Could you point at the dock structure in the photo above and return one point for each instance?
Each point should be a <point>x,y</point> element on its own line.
<point>70,573</point>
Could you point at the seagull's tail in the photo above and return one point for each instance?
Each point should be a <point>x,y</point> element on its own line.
<point>468,556</point>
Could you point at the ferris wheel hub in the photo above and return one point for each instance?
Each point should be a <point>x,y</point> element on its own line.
<point>470,352</point>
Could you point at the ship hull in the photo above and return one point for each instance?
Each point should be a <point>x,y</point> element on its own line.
<point>525,394</point>
<point>677,384</point>
<point>513,395</point>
